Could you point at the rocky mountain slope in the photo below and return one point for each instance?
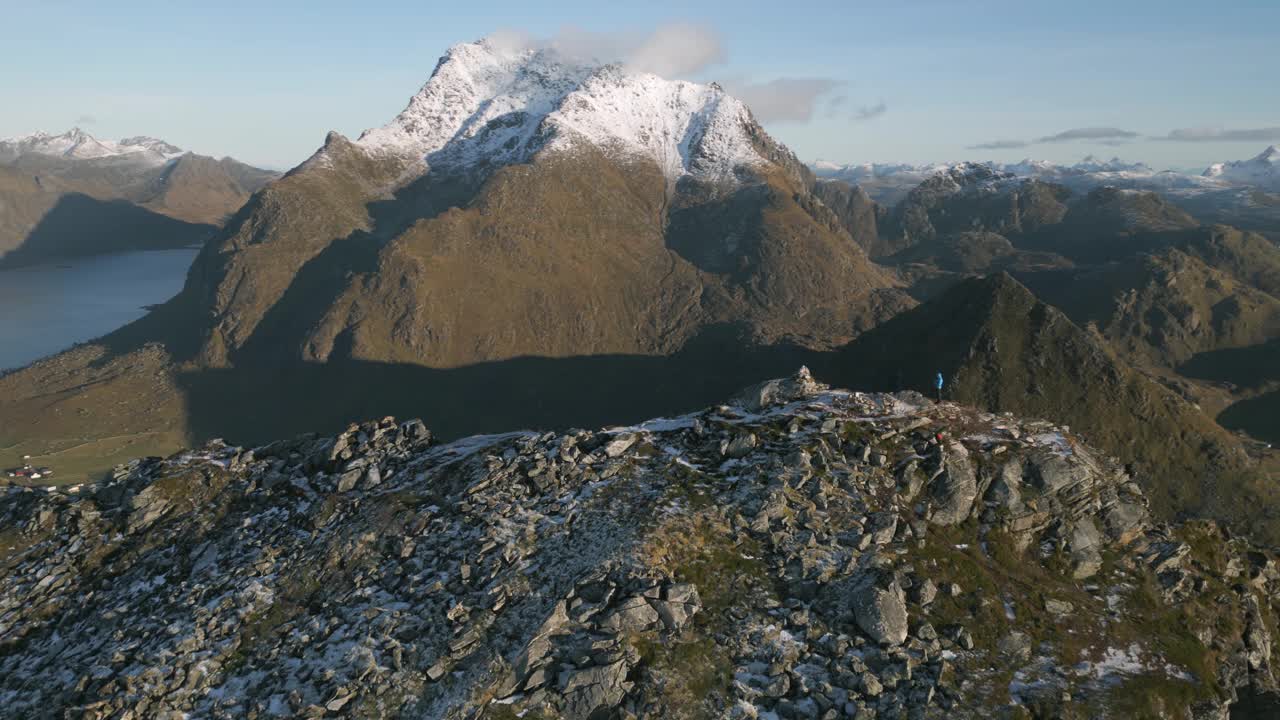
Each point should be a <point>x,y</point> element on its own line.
<point>974,198</point>
<point>800,553</point>
<point>73,194</point>
<point>1164,307</point>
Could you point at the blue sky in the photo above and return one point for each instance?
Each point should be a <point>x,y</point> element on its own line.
<point>911,80</point>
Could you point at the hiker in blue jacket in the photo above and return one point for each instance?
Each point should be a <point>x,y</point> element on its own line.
<point>937,384</point>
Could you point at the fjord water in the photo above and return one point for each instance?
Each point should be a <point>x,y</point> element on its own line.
<point>48,308</point>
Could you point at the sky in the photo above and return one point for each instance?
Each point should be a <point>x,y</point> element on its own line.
<point>1175,83</point>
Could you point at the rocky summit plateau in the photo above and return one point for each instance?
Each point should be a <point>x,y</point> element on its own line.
<point>798,552</point>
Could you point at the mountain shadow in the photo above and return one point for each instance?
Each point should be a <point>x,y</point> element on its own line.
<point>80,225</point>
<point>1258,416</point>
<point>248,405</point>
<point>1247,367</point>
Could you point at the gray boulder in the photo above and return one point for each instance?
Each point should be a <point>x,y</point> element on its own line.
<point>619,444</point>
<point>739,446</point>
<point>880,608</point>
<point>1054,473</point>
<point>1085,543</point>
<point>956,488</point>
<point>590,689</point>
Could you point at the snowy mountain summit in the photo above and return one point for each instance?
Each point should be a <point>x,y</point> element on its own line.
<point>1263,169</point>
<point>76,144</point>
<point>486,104</point>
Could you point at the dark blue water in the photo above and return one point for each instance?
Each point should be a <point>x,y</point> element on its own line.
<point>48,308</point>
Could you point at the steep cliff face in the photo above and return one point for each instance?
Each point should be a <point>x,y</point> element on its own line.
<point>858,213</point>
<point>799,551</point>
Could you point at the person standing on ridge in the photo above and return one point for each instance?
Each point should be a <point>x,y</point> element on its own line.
<point>937,384</point>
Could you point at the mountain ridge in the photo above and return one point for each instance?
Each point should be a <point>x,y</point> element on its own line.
<point>889,182</point>
<point>78,144</point>
<point>141,193</point>
<point>1003,349</point>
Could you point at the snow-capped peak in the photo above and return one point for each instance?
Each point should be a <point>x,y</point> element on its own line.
<point>858,173</point>
<point>79,145</point>
<point>488,104</point>
<point>1091,163</point>
<point>154,144</point>
<point>970,177</point>
<point>1262,170</point>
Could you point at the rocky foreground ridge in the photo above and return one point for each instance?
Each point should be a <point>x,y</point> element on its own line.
<point>799,553</point>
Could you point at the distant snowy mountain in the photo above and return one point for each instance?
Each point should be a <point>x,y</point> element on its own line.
<point>888,182</point>
<point>488,105</point>
<point>149,143</point>
<point>1042,169</point>
<point>1262,170</point>
<point>79,145</point>
<point>1091,163</point>
<point>864,172</point>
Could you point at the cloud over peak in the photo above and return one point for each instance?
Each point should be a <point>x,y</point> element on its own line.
<point>682,50</point>
<point>674,50</point>
<point>784,99</point>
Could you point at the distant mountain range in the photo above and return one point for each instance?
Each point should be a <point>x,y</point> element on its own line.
<point>73,194</point>
<point>80,145</point>
<point>889,182</point>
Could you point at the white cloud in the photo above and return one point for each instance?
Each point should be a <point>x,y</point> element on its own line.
<point>675,50</point>
<point>785,99</point>
<point>682,50</point>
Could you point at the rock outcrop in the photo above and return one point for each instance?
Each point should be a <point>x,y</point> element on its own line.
<point>862,556</point>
